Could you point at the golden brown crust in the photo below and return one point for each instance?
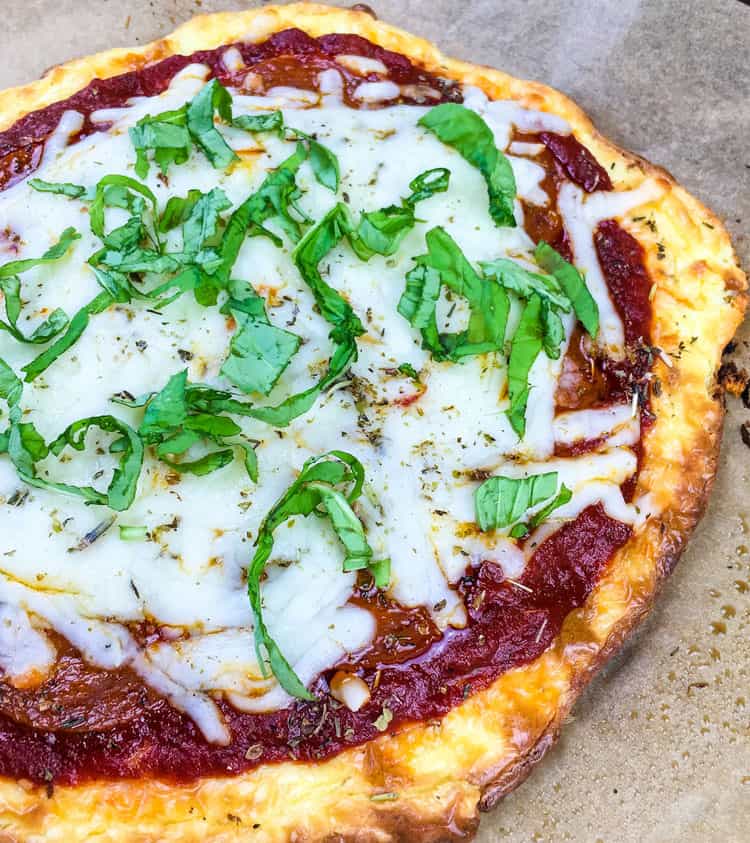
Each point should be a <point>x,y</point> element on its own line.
<point>444,772</point>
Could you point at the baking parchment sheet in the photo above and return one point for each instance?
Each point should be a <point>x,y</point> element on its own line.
<point>658,749</point>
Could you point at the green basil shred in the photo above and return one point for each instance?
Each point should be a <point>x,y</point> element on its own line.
<point>328,485</point>
<point>502,502</point>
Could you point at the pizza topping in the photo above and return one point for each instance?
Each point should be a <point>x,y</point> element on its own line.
<point>581,217</point>
<point>288,223</point>
<point>314,491</point>
<point>465,130</point>
<point>579,164</point>
<point>505,501</point>
<point>621,257</point>
<point>10,284</point>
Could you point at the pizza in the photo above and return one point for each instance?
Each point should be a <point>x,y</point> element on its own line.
<point>356,404</point>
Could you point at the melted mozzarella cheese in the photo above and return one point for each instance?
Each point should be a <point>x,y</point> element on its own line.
<point>189,576</point>
<point>581,213</point>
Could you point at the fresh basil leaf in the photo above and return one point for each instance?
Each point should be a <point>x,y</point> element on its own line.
<point>446,264</point>
<point>205,465</point>
<point>122,488</point>
<point>166,410</point>
<point>325,165</point>
<point>410,371</point>
<point>251,460</point>
<point>427,184</point>
<point>166,135</point>
<point>177,210</point>
<point>177,443</point>
<point>214,97</point>
<point>524,283</point>
<point>503,501</point>
<point>487,322</point>
<point>11,387</point>
<point>211,426</point>
<point>44,332</point>
<point>418,302</point>
<point>76,327</point>
<point>202,221</point>
<point>272,199</point>
<point>347,526</point>
<point>54,253</point>
<point>464,130</point>
<point>381,572</point>
<point>175,421</point>
<point>381,232</point>
<point>562,497</point>
<point>524,349</point>
<point>309,252</point>
<point>314,490</point>
<point>573,284</point>
<point>72,191</point>
<point>271,121</point>
<point>553,332</point>
<point>259,353</point>
<point>117,191</point>
<point>26,447</point>
<point>282,414</point>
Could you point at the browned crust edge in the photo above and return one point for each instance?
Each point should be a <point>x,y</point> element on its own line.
<point>470,761</point>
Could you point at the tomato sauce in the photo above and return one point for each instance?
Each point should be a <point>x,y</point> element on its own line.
<point>83,723</point>
<point>21,144</point>
<point>509,625</point>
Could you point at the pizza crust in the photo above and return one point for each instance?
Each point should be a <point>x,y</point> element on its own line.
<point>445,771</point>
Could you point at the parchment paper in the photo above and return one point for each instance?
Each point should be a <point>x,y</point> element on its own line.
<point>659,748</point>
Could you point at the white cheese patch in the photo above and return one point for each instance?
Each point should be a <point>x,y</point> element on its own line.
<point>614,421</point>
<point>25,653</point>
<point>189,577</point>
<point>581,214</point>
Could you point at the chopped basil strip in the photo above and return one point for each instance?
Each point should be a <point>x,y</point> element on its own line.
<point>72,191</point>
<point>273,200</point>
<point>171,134</point>
<point>572,283</point>
<point>173,423</point>
<point>381,232</point>
<point>177,210</point>
<point>307,256</point>
<point>324,163</point>
<point>541,327</point>
<point>446,264</point>
<point>74,330</point>
<point>11,388</point>
<point>524,349</point>
<point>464,130</point>
<point>54,253</point>
<point>334,309</point>
<point>525,284</point>
<point>117,191</point>
<point>259,351</point>
<point>214,97</point>
<point>272,121</point>
<point>317,489</point>
<point>26,447</point>
<point>504,501</point>
<point>166,135</point>
<point>10,285</point>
